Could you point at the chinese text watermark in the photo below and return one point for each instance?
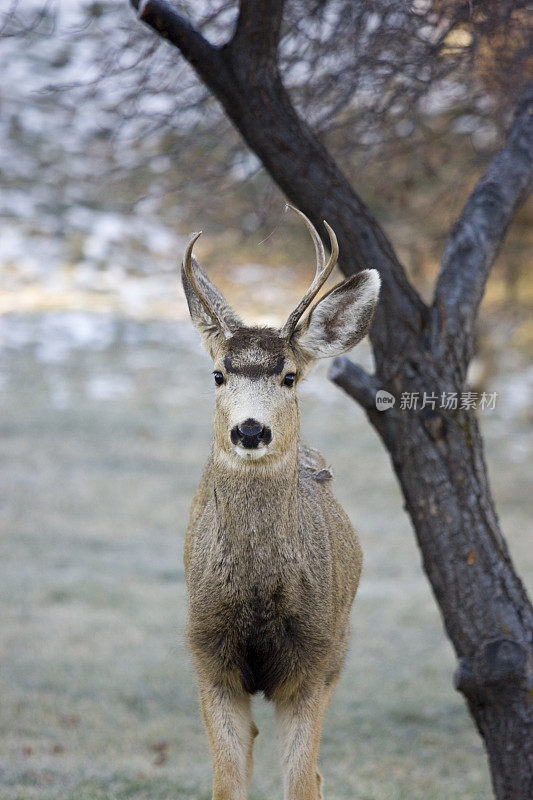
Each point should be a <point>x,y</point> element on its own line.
<point>447,401</point>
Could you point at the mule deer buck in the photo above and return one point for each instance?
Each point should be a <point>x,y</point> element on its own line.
<point>272,562</point>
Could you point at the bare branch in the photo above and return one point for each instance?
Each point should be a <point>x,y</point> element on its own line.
<point>175,28</point>
<point>259,106</point>
<point>478,234</point>
<point>354,380</point>
<point>256,101</point>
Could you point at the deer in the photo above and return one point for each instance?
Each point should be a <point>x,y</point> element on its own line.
<point>272,562</point>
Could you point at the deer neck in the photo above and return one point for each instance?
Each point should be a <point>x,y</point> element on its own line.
<point>256,500</point>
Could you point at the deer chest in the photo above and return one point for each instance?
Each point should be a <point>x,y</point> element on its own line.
<point>264,627</point>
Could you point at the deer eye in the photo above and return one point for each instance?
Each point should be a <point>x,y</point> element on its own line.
<point>219,378</point>
<point>289,379</point>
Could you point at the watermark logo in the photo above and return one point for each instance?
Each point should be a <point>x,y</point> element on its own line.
<point>384,400</point>
<point>449,401</point>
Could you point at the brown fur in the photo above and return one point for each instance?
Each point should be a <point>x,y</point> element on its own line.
<point>272,562</point>
<point>272,565</point>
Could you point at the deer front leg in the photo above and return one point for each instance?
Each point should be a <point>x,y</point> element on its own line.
<point>230,730</point>
<point>299,722</point>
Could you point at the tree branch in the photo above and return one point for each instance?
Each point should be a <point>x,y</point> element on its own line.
<point>166,20</point>
<point>354,380</point>
<point>477,236</point>
<point>243,75</point>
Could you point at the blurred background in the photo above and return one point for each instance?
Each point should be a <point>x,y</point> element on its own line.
<point>111,154</point>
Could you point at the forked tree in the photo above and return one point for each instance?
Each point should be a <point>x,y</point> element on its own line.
<point>437,453</point>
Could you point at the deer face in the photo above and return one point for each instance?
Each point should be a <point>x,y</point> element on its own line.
<point>256,370</point>
<point>256,407</point>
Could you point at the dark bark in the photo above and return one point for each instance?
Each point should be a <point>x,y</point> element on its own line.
<point>478,234</point>
<point>439,462</point>
<point>437,456</point>
<point>448,498</point>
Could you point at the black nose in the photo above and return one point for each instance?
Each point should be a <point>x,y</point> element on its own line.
<point>250,434</point>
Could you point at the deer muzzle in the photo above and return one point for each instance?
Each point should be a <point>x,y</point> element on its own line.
<point>250,434</point>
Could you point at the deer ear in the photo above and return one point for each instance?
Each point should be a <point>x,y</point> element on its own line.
<point>216,328</point>
<point>341,318</point>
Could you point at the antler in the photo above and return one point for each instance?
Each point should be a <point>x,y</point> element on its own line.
<point>198,290</point>
<point>322,273</point>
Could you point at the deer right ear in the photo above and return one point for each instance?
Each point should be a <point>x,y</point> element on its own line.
<point>211,314</point>
<point>342,317</point>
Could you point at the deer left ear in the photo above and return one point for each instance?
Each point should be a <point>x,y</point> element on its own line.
<point>341,318</point>
<point>214,319</point>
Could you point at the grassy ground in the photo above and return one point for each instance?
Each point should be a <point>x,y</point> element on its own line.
<point>103,440</point>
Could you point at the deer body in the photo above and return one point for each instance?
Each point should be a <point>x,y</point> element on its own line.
<point>271,585</point>
<point>272,562</point>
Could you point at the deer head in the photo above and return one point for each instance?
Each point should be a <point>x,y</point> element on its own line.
<point>257,369</point>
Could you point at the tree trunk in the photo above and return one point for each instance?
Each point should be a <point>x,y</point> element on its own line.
<point>440,465</point>
<point>437,455</point>
<point>483,603</point>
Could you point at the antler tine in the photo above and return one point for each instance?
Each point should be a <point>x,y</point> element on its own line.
<point>197,289</point>
<point>321,276</point>
<point>317,241</point>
